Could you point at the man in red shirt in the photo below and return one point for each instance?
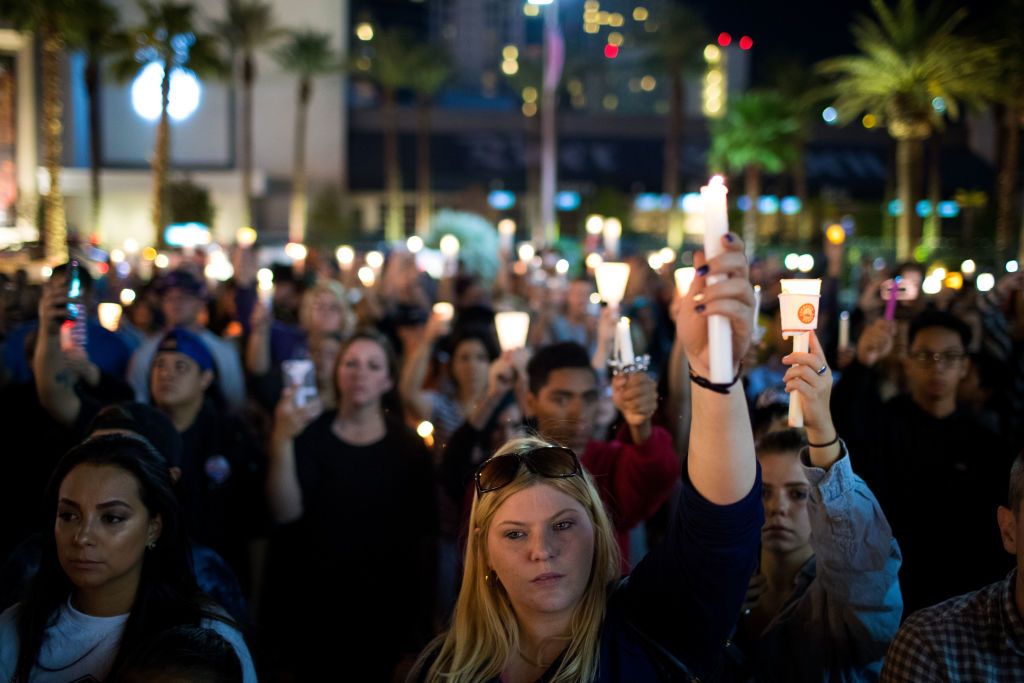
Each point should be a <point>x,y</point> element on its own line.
<point>636,470</point>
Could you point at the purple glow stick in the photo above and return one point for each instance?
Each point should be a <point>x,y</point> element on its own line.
<point>890,305</point>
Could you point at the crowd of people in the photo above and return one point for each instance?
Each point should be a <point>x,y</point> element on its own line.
<point>342,481</point>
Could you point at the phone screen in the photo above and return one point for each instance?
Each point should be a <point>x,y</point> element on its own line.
<point>300,375</point>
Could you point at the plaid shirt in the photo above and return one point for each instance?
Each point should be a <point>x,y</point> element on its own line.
<point>974,637</point>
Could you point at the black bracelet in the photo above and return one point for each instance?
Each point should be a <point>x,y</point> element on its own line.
<point>824,445</point>
<point>705,383</point>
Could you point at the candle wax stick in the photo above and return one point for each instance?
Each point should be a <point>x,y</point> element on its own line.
<point>757,307</point>
<point>801,344</point>
<point>624,342</point>
<point>716,225</point>
<point>890,305</point>
<point>844,330</point>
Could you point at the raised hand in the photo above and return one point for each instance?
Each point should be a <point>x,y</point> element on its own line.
<point>635,394</point>
<point>289,419</point>
<point>876,342</point>
<point>810,378</point>
<point>732,297</point>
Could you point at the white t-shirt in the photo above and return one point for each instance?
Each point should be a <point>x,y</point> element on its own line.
<point>81,648</point>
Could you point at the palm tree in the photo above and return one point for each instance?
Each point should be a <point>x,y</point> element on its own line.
<point>755,136</point>
<point>94,32</point>
<point>392,68</point>
<point>912,68</point>
<point>1011,114</point>
<point>248,27</point>
<point>676,48</point>
<point>307,54</point>
<point>805,93</point>
<point>167,36</point>
<point>432,71</point>
<point>50,21</point>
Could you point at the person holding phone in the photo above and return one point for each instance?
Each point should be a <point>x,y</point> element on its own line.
<point>825,602</point>
<point>921,440</point>
<point>352,491</point>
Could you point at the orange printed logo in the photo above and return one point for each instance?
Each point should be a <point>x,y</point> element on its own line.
<point>805,314</point>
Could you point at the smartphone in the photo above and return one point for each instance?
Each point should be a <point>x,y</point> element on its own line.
<point>300,375</point>
<point>73,331</point>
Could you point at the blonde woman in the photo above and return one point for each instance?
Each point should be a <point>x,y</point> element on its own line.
<point>541,598</point>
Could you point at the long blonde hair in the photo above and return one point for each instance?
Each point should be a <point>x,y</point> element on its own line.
<point>485,631</point>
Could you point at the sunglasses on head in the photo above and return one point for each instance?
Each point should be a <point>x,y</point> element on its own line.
<point>551,462</point>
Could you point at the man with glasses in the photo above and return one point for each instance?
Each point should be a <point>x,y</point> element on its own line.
<point>936,469</point>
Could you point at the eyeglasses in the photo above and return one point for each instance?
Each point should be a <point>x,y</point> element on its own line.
<point>943,360</point>
<point>551,462</point>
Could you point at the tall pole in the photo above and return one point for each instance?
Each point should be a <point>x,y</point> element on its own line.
<point>554,57</point>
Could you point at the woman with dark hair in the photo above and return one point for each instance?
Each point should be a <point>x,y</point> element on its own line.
<point>472,350</point>
<point>355,488</point>
<point>116,572</point>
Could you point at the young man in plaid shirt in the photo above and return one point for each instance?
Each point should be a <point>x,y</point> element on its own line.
<point>975,637</point>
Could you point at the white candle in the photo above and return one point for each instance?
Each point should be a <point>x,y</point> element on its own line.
<point>513,328</point>
<point>624,342</point>
<point>507,234</point>
<point>757,307</point>
<point>844,330</point>
<point>109,315</point>
<point>444,311</point>
<point>684,278</point>
<point>716,225</point>
<point>345,255</point>
<point>612,235</point>
<point>612,279</point>
<point>801,344</point>
<point>265,288</point>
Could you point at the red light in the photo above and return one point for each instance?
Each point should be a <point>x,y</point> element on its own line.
<point>746,42</point>
<point>724,39</point>
<point>103,268</point>
<point>611,51</point>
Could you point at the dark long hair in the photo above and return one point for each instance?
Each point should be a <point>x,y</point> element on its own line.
<point>167,595</point>
<point>390,403</point>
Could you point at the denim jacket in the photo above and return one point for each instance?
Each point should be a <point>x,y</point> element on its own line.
<point>845,606</point>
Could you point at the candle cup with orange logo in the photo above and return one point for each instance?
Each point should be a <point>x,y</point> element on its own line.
<point>798,304</point>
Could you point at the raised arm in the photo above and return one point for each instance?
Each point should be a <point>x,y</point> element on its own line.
<point>284,494</point>
<point>856,597</point>
<point>257,348</point>
<point>55,381</point>
<point>415,399</point>
<point>721,458</point>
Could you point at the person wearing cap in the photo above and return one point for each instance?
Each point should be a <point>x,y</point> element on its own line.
<point>222,466</point>
<point>183,296</point>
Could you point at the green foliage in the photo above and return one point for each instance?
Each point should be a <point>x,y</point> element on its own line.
<point>328,225</point>
<point>907,59</point>
<point>169,35</point>
<point>432,67</point>
<point>478,241</point>
<point>39,15</point>
<point>308,53</point>
<point>248,26</point>
<point>392,64</point>
<point>758,130</point>
<point>93,28</point>
<point>185,202</point>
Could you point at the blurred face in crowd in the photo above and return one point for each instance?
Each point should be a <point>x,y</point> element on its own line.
<point>787,525</point>
<point>102,528</point>
<point>930,380</point>
<point>578,298</point>
<point>505,424</point>
<point>327,314</point>
<point>540,545</point>
<point>324,351</point>
<point>180,308</point>
<point>176,380</point>
<point>470,364</point>
<point>363,374</point>
<point>566,407</point>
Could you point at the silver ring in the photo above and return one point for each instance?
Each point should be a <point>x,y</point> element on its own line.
<point>824,369</point>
